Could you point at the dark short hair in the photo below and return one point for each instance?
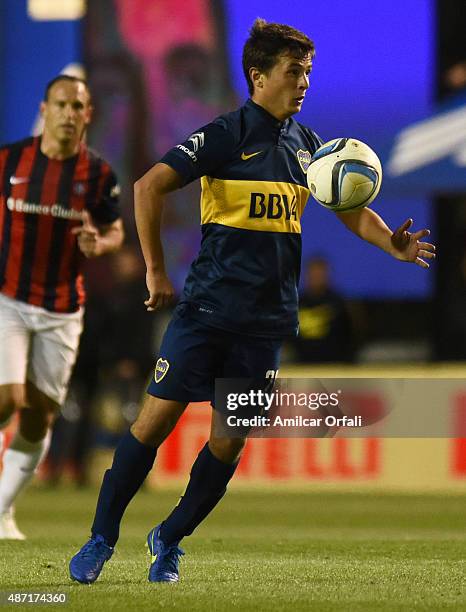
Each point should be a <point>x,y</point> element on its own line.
<point>267,41</point>
<point>64,77</point>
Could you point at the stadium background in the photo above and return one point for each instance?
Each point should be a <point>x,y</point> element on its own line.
<point>158,71</point>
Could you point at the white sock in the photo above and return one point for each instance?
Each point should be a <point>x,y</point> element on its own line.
<point>19,464</point>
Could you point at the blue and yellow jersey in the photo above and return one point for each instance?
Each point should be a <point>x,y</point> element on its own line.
<point>253,178</point>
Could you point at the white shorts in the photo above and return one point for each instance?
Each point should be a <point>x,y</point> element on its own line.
<point>38,345</point>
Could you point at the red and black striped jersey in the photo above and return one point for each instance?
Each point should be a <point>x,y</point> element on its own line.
<point>41,200</point>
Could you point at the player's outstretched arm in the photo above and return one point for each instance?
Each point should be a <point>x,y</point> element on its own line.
<point>401,243</point>
<point>95,240</point>
<point>149,197</point>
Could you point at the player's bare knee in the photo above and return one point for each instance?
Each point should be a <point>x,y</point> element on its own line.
<point>34,423</point>
<point>39,401</point>
<point>228,450</point>
<point>32,432</point>
<point>156,420</point>
<point>152,433</point>
<point>12,397</point>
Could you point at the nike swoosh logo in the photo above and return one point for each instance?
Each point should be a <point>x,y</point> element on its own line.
<point>245,156</point>
<point>18,180</point>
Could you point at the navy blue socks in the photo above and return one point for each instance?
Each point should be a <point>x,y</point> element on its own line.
<point>207,485</point>
<point>131,464</point>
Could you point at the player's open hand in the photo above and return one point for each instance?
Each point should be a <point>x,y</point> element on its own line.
<point>88,237</point>
<point>160,290</point>
<point>407,246</point>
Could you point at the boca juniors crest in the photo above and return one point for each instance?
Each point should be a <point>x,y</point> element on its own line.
<point>161,368</point>
<point>304,158</point>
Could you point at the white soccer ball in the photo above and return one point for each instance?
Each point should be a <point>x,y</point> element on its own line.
<point>344,174</point>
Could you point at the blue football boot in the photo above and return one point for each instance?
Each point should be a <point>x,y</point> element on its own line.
<point>87,564</point>
<point>164,559</point>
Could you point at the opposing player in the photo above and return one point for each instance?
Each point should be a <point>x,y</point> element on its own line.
<point>58,204</point>
<point>240,297</point>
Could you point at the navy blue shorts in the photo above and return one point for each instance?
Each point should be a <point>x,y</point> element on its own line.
<point>193,355</point>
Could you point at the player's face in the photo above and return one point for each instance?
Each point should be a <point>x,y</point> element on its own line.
<point>283,89</point>
<point>67,112</point>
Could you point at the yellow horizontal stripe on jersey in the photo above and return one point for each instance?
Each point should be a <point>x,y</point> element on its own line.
<point>264,206</point>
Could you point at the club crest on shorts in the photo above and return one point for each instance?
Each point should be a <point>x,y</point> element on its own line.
<point>161,368</point>
<point>304,158</point>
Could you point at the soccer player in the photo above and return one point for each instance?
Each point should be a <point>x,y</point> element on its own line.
<point>240,297</point>
<point>58,204</point>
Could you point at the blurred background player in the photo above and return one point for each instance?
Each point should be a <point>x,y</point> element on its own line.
<point>58,203</point>
<point>236,307</point>
<point>450,312</point>
<point>113,366</point>
<point>325,326</point>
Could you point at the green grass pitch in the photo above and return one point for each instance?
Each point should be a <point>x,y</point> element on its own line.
<point>261,551</point>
